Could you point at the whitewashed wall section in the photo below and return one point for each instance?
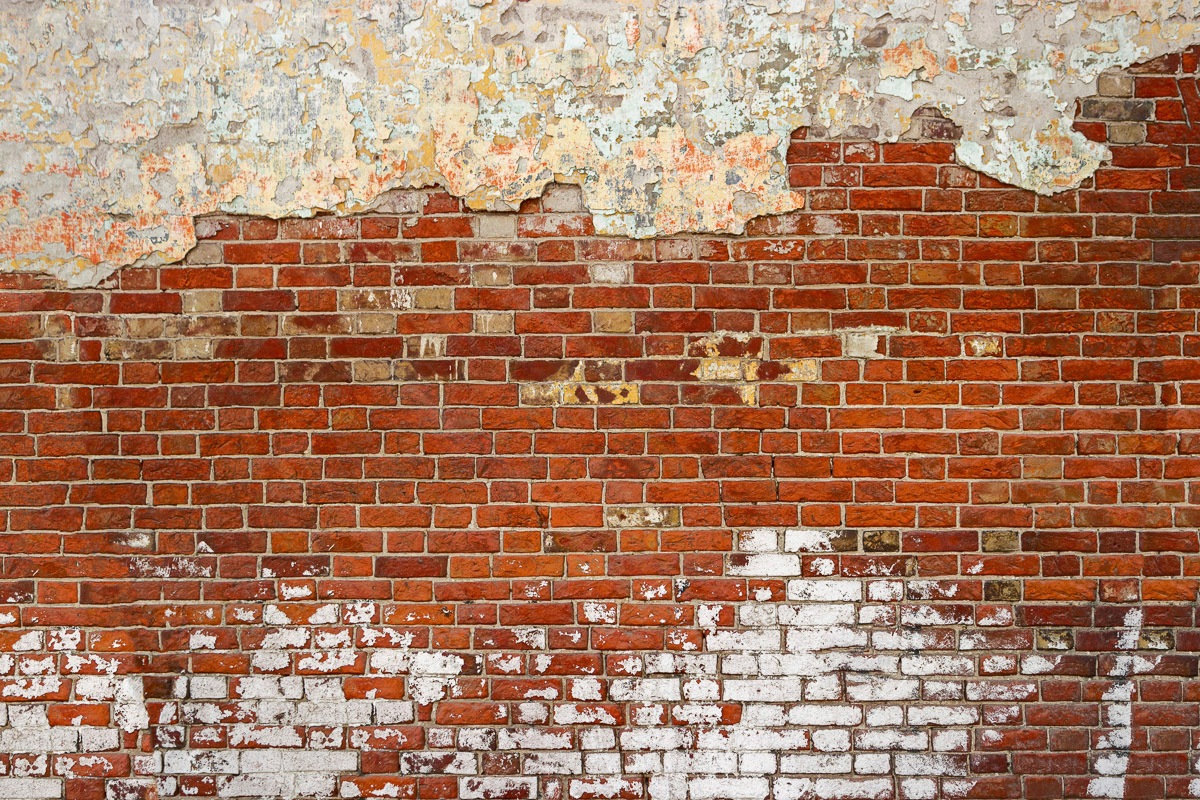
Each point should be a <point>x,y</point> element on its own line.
<point>815,686</point>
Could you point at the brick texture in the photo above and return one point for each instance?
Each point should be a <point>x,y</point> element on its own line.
<point>892,497</point>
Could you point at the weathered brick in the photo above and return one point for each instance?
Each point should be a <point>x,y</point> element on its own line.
<point>890,491</point>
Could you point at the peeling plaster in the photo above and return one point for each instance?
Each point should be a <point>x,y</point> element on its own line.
<point>123,120</point>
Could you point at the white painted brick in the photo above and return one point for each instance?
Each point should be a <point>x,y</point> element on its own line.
<point>728,788</point>
<point>708,616</point>
<point>762,540</point>
<point>257,786</point>
<point>533,739</point>
<point>95,740</point>
<point>36,740</point>
<point>758,615</point>
<point>842,789</point>
<point>97,688</point>
<point>825,715</point>
<point>803,640</point>
<point>702,689</point>
<point>918,589</point>
<point>942,715</point>
<point>208,762</point>
<point>650,739</point>
<point>885,591</point>
<point>875,689</point>
<point>691,664</point>
<point>828,591</point>
<point>742,739</point>
<point>347,712</point>
<point>767,565</point>
<point>912,764</point>
<point>597,739</point>
<point>822,566</point>
<point>979,690</point>
<point>754,714</point>
<point>1000,714</point>
<point>531,713</point>
<point>647,714</point>
<point>740,664</point>
<point>553,764</point>
<point>918,789</point>
<point>793,788</point>
<point>758,763</point>
<point>808,540</point>
<point>602,763</point>
<point>608,787</point>
<point>488,788</point>
<point>207,688</point>
<point>937,665</point>
<point>974,640</point>
<point>823,687</point>
<point>950,741</point>
<point>636,763</point>
<point>860,663</point>
<point>872,764</point>
<point>877,615</point>
<point>902,640</point>
<point>298,761</point>
<point>315,784</point>
<point>392,712</point>
<point>743,640</point>
<point>263,736</point>
<point>433,663</point>
<point>815,763</point>
<point>791,664</point>
<point>30,788</point>
<point>891,739</point>
<point>795,684</point>
<point>202,714</point>
<point>269,687</point>
<point>477,738</point>
<point>934,615</point>
<point>763,691</point>
<point>829,740</point>
<point>814,615</point>
<point>585,689</point>
<point>707,762</point>
<point>645,689</point>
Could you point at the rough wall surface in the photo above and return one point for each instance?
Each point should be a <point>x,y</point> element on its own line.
<point>123,120</point>
<point>891,497</point>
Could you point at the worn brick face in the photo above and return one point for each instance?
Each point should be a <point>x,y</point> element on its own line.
<point>892,497</point>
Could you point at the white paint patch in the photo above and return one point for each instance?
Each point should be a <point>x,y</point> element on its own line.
<point>842,690</point>
<point>1117,714</point>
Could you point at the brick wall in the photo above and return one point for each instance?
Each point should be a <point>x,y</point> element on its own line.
<point>892,497</point>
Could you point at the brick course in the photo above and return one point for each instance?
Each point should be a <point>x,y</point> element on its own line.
<point>891,497</point>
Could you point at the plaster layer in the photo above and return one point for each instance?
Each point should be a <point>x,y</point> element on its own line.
<point>123,120</point>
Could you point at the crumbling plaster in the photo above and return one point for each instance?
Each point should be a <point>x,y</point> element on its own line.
<point>123,120</point>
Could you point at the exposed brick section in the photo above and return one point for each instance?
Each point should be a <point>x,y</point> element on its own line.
<point>891,497</point>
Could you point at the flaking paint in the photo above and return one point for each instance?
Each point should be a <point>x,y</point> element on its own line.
<point>121,121</point>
